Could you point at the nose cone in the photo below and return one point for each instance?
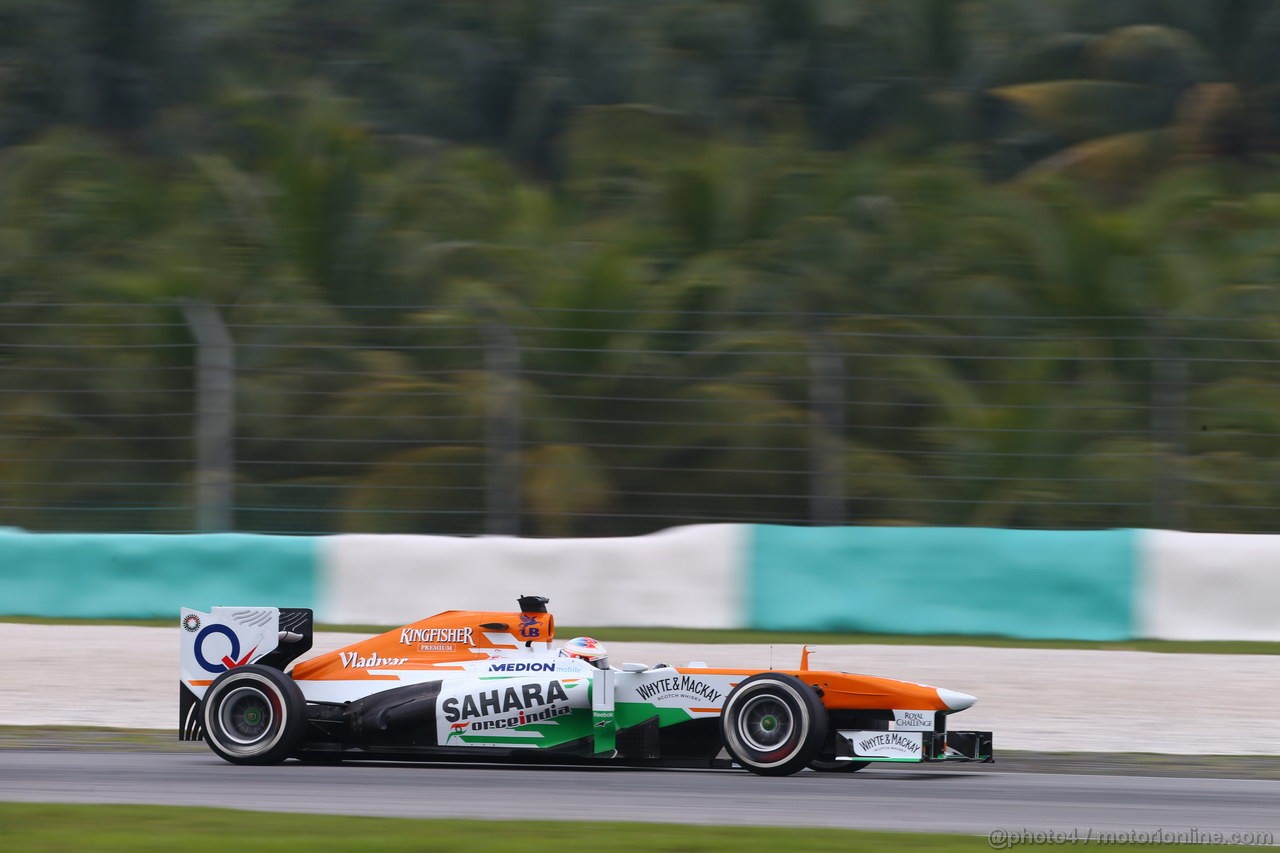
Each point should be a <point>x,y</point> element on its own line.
<point>954,700</point>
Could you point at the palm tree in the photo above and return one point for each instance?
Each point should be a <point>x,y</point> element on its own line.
<point>1120,107</point>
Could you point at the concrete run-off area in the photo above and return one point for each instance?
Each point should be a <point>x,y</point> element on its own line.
<point>1047,700</point>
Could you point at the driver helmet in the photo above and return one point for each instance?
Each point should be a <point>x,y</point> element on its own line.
<point>587,649</point>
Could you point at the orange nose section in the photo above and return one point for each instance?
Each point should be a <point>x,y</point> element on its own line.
<point>843,690</point>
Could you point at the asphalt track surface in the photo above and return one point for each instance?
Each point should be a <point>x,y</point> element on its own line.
<point>967,800</point>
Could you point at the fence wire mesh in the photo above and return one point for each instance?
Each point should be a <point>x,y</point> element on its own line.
<point>573,422</point>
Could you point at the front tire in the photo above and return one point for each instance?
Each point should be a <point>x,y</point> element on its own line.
<point>253,715</point>
<point>773,724</point>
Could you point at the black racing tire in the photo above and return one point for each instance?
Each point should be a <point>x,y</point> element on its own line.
<point>824,766</point>
<point>253,715</point>
<point>773,724</point>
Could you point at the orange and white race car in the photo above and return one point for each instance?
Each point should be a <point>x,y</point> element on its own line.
<point>469,685</point>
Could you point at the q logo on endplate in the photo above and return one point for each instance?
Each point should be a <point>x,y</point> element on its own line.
<point>231,660</point>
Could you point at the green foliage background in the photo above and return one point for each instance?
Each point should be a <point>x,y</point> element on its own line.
<point>1010,217</point>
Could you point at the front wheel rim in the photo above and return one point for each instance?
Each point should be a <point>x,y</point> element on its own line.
<point>765,723</point>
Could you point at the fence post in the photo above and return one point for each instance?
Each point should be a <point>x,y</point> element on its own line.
<point>215,417</point>
<point>1168,427</point>
<point>826,428</point>
<point>502,428</point>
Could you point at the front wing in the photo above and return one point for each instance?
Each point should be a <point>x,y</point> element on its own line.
<point>912,746</point>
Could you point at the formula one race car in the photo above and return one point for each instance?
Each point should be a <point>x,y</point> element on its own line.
<point>466,685</point>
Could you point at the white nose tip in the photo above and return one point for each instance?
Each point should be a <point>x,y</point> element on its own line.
<point>955,700</point>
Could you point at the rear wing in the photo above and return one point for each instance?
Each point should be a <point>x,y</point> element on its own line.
<point>229,637</point>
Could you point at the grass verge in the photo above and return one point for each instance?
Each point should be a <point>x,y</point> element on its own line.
<point>40,827</point>
<point>814,638</point>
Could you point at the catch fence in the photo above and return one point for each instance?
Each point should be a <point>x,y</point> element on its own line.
<point>554,421</point>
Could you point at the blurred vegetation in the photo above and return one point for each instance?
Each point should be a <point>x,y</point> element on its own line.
<point>671,187</point>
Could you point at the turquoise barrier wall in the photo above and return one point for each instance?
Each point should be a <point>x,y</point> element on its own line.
<point>1038,584</point>
<point>151,576</point>
<point>893,580</point>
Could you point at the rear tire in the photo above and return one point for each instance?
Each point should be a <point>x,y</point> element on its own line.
<point>773,724</point>
<point>253,715</point>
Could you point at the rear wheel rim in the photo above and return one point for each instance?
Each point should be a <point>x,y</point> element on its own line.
<point>247,716</point>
